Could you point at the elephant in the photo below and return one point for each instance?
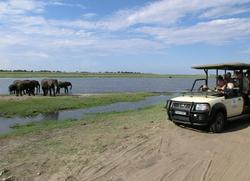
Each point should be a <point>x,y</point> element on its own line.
<point>37,86</point>
<point>12,89</point>
<point>49,85</point>
<point>64,85</point>
<point>19,90</point>
<point>24,87</point>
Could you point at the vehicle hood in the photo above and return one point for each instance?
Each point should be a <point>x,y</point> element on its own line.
<point>200,99</point>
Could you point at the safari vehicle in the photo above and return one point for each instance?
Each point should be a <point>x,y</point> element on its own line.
<point>210,108</point>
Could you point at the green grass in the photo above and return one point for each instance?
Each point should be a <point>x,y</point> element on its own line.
<point>89,75</point>
<point>100,123</point>
<point>34,105</point>
<point>37,127</point>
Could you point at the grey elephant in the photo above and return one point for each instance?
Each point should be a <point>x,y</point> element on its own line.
<point>65,86</point>
<point>12,89</point>
<point>49,85</point>
<point>24,87</point>
<point>37,86</point>
<point>20,89</point>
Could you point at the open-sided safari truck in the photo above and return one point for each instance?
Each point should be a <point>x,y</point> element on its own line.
<point>210,107</point>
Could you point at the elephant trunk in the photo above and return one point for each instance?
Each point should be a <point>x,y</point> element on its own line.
<point>70,86</point>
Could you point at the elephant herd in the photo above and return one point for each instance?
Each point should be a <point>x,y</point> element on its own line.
<point>33,87</point>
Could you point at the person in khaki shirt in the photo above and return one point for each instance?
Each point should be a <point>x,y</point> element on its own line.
<point>248,77</point>
<point>245,88</point>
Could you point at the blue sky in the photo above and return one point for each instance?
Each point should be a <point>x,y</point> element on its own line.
<point>157,36</point>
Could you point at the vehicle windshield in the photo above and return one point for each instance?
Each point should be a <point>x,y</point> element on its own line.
<point>225,84</point>
<point>207,93</point>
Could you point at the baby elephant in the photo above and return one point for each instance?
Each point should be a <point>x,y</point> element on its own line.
<point>65,86</point>
<point>12,89</point>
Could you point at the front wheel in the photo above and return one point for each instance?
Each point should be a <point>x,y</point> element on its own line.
<point>218,123</point>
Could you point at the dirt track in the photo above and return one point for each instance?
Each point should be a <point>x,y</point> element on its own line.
<point>160,152</point>
<point>173,153</point>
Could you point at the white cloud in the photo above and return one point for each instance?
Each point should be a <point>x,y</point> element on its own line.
<point>33,54</point>
<point>60,3</point>
<point>89,15</point>
<point>224,11</point>
<point>26,5</point>
<point>247,51</point>
<point>20,7</point>
<point>9,40</point>
<point>83,24</point>
<point>156,15</point>
<point>168,12</point>
<point>149,28</point>
<point>128,46</point>
<point>213,32</point>
<point>5,63</point>
<point>17,7</point>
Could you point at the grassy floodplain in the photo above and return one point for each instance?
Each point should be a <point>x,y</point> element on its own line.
<point>116,121</point>
<point>28,106</point>
<point>89,75</point>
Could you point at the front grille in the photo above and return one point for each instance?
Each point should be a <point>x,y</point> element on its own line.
<point>180,118</point>
<point>180,111</point>
<point>181,105</point>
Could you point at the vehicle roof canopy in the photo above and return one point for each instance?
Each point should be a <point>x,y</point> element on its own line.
<point>224,66</point>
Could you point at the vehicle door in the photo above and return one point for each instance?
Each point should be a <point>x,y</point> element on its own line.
<point>234,105</point>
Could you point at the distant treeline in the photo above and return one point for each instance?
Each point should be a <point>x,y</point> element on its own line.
<point>30,71</point>
<point>121,72</point>
<point>58,71</point>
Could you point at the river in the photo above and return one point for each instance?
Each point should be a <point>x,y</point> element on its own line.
<point>105,85</point>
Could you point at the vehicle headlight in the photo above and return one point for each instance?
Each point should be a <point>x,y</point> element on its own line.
<point>202,107</point>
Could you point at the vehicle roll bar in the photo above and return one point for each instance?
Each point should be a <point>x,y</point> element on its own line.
<point>197,80</point>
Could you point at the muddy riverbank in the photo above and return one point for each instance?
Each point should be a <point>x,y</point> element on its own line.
<point>131,146</point>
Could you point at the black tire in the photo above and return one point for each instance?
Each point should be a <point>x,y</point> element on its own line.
<point>218,123</point>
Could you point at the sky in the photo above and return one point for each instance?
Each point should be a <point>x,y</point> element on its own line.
<point>150,36</point>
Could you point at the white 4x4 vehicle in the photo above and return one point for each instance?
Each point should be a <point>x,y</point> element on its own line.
<point>210,108</point>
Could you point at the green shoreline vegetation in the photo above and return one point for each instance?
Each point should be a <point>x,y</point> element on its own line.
<point>29,106</point>
<point>116,121</point>
<point>30,74</point>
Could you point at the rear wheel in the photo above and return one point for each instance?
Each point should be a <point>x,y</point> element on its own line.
<point>218,123</point>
